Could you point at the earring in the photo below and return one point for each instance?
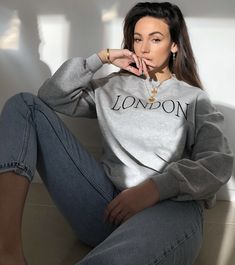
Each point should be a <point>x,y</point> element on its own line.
<point>173,64</point>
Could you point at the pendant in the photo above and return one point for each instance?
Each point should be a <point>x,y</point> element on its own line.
<point>154,92</point>
<point>151,99</point>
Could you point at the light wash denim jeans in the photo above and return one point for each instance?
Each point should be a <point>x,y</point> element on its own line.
<point>33,137</point>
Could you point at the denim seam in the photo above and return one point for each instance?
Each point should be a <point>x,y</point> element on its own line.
<point>198,207</point>
<point>25,142</point>
<point>83,172</point>
<point>20,161</point>
<point>169,250</point>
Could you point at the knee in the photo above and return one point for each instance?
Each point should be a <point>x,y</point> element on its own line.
<point>22,98</point>
<point>19,102</point>
<point>19,97</point>
<point>27,97</point>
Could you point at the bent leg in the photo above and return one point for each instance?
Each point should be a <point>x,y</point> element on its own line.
<point>169,233</point>
<point>32,135</point>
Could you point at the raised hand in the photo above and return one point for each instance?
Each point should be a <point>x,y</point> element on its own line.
<point>124,59</point>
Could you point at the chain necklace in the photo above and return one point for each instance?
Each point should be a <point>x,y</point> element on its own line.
<point>152,96</point>
<point>154,91</point>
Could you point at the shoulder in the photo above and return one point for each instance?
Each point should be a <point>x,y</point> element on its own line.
<point>189,88</point>
<point>199,98</point>
<point>203,104</point>
<point>196,93</point>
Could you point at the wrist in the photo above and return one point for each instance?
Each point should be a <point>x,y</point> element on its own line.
<point>152,190</point>
<point>104,56</point>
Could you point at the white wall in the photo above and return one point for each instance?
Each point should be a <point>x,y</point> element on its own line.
<point>37,36</point>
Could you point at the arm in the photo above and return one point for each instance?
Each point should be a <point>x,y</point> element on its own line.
<point>70,89</point>
<point>209,166</point>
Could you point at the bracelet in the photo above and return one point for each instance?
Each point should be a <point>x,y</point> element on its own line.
<point>108,55</point>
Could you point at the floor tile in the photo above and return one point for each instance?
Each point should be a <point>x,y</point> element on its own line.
<point>218,246</point>
<point>47,237</point>
<point>38,195</point>
<point>75,254</point>
<point>222,213</point>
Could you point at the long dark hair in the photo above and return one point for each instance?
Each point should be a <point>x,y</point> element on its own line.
<point>184,66</point>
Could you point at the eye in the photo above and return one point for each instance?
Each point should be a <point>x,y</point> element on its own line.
<point>155,40</point>
<point>137,40</point>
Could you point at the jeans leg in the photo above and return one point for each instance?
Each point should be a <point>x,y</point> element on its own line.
<point>32,136</point>
<point>169,233</point>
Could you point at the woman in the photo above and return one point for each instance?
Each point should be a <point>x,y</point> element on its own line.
<point>164,155</point>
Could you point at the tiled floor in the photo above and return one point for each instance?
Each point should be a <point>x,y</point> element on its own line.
<point>49,240</point>
<point>47,237</point>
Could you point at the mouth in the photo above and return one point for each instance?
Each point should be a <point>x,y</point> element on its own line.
<point>146,58</point>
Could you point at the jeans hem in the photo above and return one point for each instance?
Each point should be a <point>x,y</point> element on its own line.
<point>18,168</point>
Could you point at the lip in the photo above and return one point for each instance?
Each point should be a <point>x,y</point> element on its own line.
<point>146,58</point>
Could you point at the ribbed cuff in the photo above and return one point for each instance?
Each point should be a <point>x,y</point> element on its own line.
<point>167,184</point>
<point>94,62</point>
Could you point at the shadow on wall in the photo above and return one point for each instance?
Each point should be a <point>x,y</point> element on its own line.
<point>21,67</point>
<point>228,191</point>
<point>22,70</point>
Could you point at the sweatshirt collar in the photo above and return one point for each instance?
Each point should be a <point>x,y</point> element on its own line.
<point>156,82</point>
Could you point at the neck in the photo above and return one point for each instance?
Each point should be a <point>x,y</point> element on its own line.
<point>161,76</point>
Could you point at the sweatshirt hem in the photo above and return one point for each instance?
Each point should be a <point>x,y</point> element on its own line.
<point>94,62</point>
<point>167,185</point>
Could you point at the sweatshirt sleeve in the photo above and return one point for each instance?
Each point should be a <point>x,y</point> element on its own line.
<point>210,162</point>
<point>71,89</point>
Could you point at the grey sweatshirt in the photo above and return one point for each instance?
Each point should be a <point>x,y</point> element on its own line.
<point>176,141</point>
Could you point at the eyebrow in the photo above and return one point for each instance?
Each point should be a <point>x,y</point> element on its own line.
<point>150,34</point>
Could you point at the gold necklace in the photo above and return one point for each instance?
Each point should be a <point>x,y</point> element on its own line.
<point>152,97</point>
<point>154,91</point>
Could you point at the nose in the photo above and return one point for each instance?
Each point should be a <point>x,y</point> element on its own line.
<point>145,47</point>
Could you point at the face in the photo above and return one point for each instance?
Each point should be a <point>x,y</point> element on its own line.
<point>152,41</point>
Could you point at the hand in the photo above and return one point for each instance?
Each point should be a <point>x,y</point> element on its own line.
<point>123,58</point>
<point>130,201</point>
